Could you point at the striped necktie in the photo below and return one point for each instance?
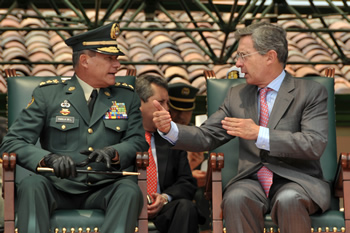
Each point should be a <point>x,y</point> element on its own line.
<point>265,176</point>
<point>151,169</point>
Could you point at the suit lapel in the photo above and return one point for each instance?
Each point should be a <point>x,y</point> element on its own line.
<point>283,100</point>
<point>162,150</point>
<point>102,105</point>
<point>75,96</point>
<point>249,97</point>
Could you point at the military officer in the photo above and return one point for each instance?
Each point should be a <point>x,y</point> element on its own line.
<point>102,132</point>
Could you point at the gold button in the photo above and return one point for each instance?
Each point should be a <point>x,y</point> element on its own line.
<point>89,168</point>
<point>91,149</point>
<point>63,126</point>
<point>118,128</point>
<point>90,130</point>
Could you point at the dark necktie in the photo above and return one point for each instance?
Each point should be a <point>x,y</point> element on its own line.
<point>265,176</point>
<point>93,98</point>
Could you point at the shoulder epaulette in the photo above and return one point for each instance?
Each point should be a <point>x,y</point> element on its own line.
<point>125,85</point>
<point>50,82</point>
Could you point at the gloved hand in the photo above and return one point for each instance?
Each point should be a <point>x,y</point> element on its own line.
<point>63,165</point>
<point>105,155</point>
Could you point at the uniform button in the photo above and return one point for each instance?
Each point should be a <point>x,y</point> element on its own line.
<point>90,130</point>
<point>118,128</point>
<point>91,149</point>
<point>63,126</point>
<point>89,183</point>
<point>89,168</point>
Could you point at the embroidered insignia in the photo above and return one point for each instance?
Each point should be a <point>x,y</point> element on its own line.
<point>65,111</point>
<point>116,111</point>
<point>65,104</point>
<point>31,101</point>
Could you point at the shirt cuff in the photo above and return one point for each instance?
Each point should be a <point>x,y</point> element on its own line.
<point>263,141</point>
<point>172,135</point>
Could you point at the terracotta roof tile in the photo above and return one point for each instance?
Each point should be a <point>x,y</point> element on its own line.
<point>174,46</point>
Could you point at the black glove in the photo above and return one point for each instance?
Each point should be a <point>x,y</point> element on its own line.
<point>105,155</point>
<point>63,165</point>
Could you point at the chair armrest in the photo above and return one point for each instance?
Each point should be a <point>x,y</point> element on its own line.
<point>343,174</point>
<point>141,166</point>
<point>9,166</point>
<point>213,188</point>
<point>342,184</point>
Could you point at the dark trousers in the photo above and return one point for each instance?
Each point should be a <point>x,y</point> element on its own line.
<point>37,198</point>
<point>177,216</point>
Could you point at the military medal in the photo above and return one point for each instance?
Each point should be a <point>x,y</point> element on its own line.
<point>116,111</point>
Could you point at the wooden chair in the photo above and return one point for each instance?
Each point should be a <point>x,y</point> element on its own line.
<point>223,163</point>
<point>68,221</point>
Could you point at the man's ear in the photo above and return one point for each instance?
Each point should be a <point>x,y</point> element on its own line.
<point>271,56</point>
<point>84,60</point>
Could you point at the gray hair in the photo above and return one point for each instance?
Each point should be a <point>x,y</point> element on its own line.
<point>267,37</point>
<point>143,86</point>
<point>76,56</point>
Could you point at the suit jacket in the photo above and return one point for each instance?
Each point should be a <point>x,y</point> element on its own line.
<point>298,127</point>
<point>175,176</point>
<point>58,116</point>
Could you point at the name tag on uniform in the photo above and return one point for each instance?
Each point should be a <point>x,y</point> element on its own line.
<point>65,119</point>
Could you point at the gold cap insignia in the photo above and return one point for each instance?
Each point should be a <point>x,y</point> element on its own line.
<point>115,31</point>
<point>185,91</point>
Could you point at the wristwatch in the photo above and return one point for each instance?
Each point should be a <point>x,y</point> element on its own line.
<point>166,199</point>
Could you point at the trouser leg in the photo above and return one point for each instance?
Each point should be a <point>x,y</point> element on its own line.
<point>244,205</point>
<point>178,216</point>
<point>34,203</point>
<point>122,202</point>
<point>291,207</point>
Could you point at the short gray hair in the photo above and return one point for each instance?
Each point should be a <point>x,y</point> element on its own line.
<point>143,86</point>
<point>76,56</point>
<point>267,37</point>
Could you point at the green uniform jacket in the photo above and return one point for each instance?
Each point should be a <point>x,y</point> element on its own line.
<point>58,116</point>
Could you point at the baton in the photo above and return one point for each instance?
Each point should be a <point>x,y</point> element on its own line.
<point>123,173</point>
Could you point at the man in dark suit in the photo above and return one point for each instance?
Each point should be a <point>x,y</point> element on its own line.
<point>287,148</point>
<point>172,209</point>
<point>104,139</point>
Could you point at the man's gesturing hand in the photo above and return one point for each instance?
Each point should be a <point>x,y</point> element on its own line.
<point>243,128</point>
<point>161,118</point>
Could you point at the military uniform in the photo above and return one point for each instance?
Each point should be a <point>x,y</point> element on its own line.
<point>58,116</point>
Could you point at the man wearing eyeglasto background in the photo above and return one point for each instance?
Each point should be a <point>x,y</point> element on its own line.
<point>287,149</point>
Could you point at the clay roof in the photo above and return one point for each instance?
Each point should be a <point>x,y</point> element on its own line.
<point>40,47</point>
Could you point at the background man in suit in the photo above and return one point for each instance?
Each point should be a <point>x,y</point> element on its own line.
<point>172,209</point>
<point>106,139</point>
<point>288,148</point>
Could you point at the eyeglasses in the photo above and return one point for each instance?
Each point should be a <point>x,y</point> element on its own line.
<point>242,55</point>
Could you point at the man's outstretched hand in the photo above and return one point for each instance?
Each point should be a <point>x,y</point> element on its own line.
<point>161,118</point>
